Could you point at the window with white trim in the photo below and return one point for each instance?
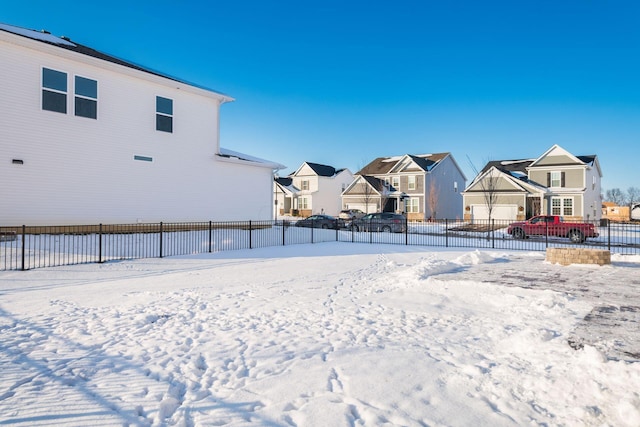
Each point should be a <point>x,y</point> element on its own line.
<point>413,205</point>
<point>86,97</point>
<point>411,182</point>
<point>562,206</point>
<point>164,114</point>
<point>303,203</point>
<point>455,186</point>
<point>54,90</point>
<point>395,182</point>
<point>304,184</point>
<point>556,179</point>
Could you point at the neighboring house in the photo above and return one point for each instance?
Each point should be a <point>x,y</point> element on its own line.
<point>556,183</point>
<point>284,193</point>
<point>89,138</point>
<point>312,189</point>
<point>616,213</point>
<point>424,187</point>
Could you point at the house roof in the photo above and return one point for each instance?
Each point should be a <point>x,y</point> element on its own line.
<point>376,183</point>
<point>587,159</point>
<point>322,170</point>
<point>286,185</point>
<point>514,168</point>
<point>514,177</point>
<point>63,42</point>
<point>284,181</point>
<point>384,165</point>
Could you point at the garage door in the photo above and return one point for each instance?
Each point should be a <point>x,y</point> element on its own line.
<point>501,212</point>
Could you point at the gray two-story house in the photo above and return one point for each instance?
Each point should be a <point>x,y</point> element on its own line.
<point>556,183</point>
<point>424,187</point>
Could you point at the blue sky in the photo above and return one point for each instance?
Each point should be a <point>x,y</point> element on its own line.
<point>344,82</point>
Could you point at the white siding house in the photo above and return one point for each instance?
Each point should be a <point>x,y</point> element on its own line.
<point>312,189</point>
<point>88,138</point>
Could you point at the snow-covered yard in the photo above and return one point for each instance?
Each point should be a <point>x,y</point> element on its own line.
<point>330,334</point>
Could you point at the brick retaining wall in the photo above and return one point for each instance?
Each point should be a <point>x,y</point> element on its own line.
<point>567,256</point>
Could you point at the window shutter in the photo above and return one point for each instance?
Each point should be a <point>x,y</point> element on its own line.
<point>548,179</point>
<point>562,179</point>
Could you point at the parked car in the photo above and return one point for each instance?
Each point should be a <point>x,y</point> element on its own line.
<point>552,225</point>
<point>350,214</point>
<point>321,221</point>
<point>381,221</point>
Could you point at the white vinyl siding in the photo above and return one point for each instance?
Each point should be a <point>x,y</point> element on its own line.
<point>66,159</point>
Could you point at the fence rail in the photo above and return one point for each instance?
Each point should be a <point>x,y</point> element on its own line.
<point>28,247</point>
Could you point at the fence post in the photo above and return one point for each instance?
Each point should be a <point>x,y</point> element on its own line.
<point>406,231</point>
<point>24,232</point>
<point>284,231</point>
<point>546,234</point>
<point>609,235</point>
<point>493,234</point>
<point>100,243</point>
<point>210,236</point>
<point>250,233</point>
<point>160,239</point>
<point>312,227</point>
<point>446,233</point>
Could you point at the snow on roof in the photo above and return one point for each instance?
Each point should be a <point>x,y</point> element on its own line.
<point>514,162</point>
<point>224,152</point>
<point>392,159</point>
<point>43,35</point>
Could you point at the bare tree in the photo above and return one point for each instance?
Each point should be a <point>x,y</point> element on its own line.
<point>615,195</point>
<point>367,193</point>
<point>488,182</point>
<point>633,195</point>
<point>433,198</point>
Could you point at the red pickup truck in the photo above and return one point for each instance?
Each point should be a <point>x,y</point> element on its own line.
<point>552,225</point>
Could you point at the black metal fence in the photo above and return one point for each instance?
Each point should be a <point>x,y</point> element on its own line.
<point>28,247</point>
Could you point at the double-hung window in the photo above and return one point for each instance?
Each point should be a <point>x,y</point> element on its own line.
<point>411,183</point>
<point>562,206</point>
<point>164,114</point>
<point>54,90</point>
<point>86,99</point>
<point>555,179</point>
<point>413,205</point>
<point>395,182</point>
<point>304,184</point>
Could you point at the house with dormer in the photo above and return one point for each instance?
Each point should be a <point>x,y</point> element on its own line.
<point>423,187</point>
<point>312,189</point>
<point>556,183</point>
<point>90,138</point>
